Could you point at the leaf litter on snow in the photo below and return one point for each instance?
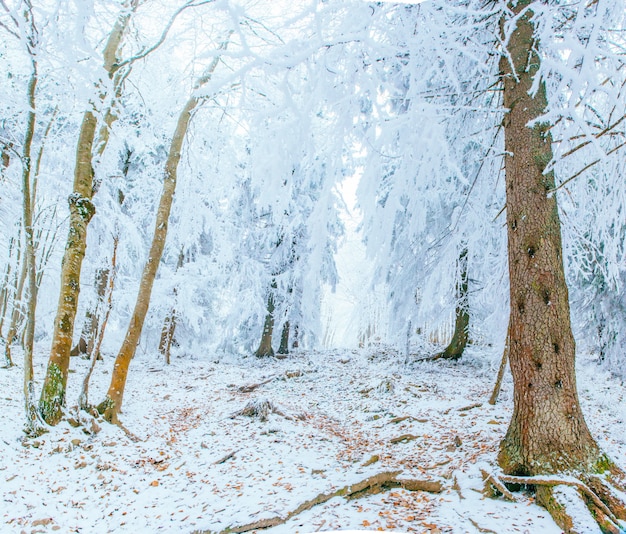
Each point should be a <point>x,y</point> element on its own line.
<point>220,443</point>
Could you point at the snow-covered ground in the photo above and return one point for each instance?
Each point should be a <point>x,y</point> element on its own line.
<point>194,465</point>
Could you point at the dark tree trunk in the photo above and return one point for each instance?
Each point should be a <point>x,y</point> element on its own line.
<point>265,347</point>
<point>169,324</point>
<point>284,339</point>
<point>457,345</point>
<point>90,329</point>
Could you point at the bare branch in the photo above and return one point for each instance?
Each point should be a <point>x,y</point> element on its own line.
<point>585,168</point>
<point>161,39</point>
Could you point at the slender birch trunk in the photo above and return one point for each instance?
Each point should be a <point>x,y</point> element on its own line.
<point>112,404</point>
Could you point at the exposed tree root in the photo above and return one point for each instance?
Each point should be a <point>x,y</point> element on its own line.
<point>597,492</point>
<point>369,486</point>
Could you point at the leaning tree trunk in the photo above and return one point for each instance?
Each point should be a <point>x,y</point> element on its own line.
<point>457,345</point>
<point>112,404</point>
<point>81,212</point>
<point>547,433</point>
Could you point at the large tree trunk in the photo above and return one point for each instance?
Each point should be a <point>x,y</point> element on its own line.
<point>81,212</point>
<point>547,433</point>
<point>112,404</point>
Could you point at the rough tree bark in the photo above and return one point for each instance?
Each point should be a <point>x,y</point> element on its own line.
<point>547,433</point>
<point>457,344</point>
<point>112,404</point>
<point>81,211</point>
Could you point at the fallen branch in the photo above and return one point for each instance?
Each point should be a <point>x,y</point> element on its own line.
<point>470,407</point>
<point>403,439</point>
<point>373,484</point>
<point>250,388</point>
<point>230,455</point>
<point>397,420</point>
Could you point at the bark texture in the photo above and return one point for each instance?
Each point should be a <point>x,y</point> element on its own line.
<point>547,433</point>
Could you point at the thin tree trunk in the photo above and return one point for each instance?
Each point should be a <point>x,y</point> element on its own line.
<point>89,332</point>
<point>503,363</point>
<point>547,433</point>
<point>81,211</point>
<point>17,314</point>
<point>94,355</point>
<point>169,324</point>
<point>457,344</point>
<point>112,404</point>
<point>30,406</point>
<point>4,294</point>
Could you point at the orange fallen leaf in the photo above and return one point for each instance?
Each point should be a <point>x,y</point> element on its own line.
<point>154,483</point>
